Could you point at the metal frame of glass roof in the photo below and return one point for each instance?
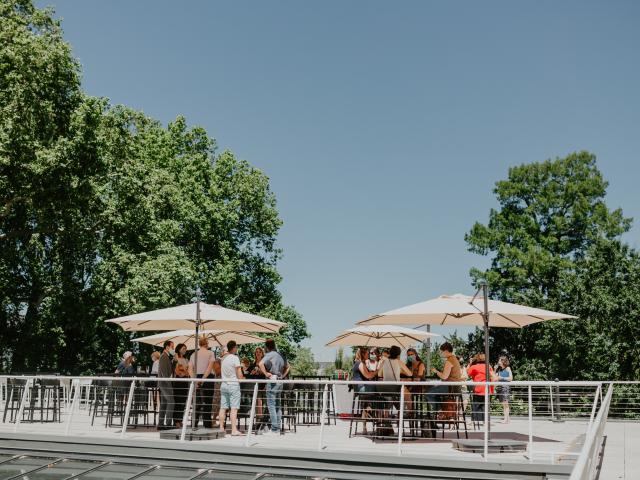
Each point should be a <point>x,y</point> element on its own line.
<point>209,462</point>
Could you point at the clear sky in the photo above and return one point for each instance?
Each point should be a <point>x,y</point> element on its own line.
<point>382,125</point>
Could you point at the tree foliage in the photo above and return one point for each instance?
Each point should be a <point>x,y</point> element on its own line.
<point>304,365</point>
<point>555,244</point>
<point>105,212</point>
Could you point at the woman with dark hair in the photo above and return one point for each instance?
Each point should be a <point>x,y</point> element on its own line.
<point>416,365</point>
<point>390,370</point>
<point>180,389</point>
<point>418,370</point>
<point>254,372</point>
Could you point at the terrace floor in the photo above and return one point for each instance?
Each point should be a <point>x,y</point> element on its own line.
<point>553,443</point>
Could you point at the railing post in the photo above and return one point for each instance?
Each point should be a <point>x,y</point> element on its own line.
<point>486,422</point>
<point>401,420</point>
<point>23,401</point>
<point>185,415</point>
<point>530,411</point>
<point>595,403</point>
<point>551,400</point>
<point>558,405</point>
<point>252,416</point>
<point>127,411</point>
<point>74,403</point>
<point>323,416</point>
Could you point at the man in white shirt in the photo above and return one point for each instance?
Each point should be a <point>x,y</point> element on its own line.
<point>230,388</point>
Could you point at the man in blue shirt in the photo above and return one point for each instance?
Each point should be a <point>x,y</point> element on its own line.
<point>273,366</point>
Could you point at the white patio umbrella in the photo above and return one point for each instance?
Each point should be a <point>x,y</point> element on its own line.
<point>197,315</point>
<point>380,336</point>
<point>458,309</point>
<point>455,310</point>
<point>208,316</point>
<point>218,337</point>
<point>465,310</point>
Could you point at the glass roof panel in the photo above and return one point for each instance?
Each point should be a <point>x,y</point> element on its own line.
<point>115,471</point>
<point>61,470</point>
<point>226,475</point>
<point>22,465</point>
<point>169,473</point>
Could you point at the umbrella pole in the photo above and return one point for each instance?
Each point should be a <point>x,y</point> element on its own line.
<point>485,315</point>
<point>428,345</point>
<point>194,416</point>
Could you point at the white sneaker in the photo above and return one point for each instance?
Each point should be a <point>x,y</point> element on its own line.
<point>271,433</point>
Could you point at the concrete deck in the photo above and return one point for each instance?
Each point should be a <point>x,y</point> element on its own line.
<point>555,444</point>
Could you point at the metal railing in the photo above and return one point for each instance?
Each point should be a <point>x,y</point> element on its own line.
<point>400,417</point>
<point>587,461</point>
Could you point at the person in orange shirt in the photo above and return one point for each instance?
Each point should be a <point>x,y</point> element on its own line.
<point>476,372</point>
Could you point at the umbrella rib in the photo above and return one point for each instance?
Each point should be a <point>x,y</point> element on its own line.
<point>265,326</point>
<point>508,319</point>
<point>412,337</point>
<point>396,338</point>
<point>215,339</point>
<point>341,336</point>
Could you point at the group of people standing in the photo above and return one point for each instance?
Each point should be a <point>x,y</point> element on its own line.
<point>370,365</point>
<point>214,400</point>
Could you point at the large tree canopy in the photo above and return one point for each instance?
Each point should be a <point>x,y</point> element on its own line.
<point>555,244</point>
<point>105,212</point>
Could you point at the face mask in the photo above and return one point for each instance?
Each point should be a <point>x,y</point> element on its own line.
<point>372,357</point>
<point>411,358</point>
<point>172,352</point>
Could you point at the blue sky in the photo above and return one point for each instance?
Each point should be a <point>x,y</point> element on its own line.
<point>382,125</point>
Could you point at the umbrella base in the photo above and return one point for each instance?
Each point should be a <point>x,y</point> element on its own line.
<point>192,434</point>
<point>495,446</point>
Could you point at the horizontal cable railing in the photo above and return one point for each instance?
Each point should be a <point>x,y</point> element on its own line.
<point>403,418</point>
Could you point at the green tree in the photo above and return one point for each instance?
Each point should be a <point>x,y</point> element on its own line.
<point>553,226</point>
<point>304,364</point>
<point>105,212</point>
<point>48,162</point>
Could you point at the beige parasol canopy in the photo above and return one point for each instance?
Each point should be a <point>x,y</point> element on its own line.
<point>185,316</point>
<point>461,309</point>
<point>380,336</point>
<point>217,338</point>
